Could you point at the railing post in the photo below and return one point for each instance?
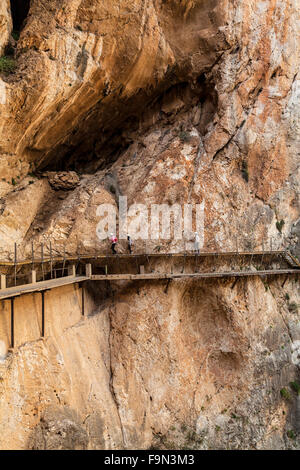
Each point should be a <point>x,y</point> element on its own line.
<point>64,262</point>
<point>184,257</point>
<point>51,261</point>
<point>32,254</point>
<point>43,314</point>
<point>3,281</point>
<point>33,276</point>
<point>272,254</point>
<point>88,270</point>
<point>12,323</point>
<point>82,300</point>
<point>42,259</point>
<point>72,270</point>
<point>15,264</point>
<point>196,267</point>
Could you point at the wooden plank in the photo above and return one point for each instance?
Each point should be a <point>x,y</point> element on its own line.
<point>117,277</point>
<point>40,286</point>
<point>52,284</point>
<point>3,282</point>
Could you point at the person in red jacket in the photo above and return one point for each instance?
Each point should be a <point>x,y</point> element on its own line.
<point>113,241</point>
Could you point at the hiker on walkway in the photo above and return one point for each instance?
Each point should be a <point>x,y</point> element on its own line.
<point>113,241</point>
<point>129,244</point>
<point>197,243</point>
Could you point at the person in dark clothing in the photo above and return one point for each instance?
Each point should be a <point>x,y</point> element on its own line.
<point>129,243</point>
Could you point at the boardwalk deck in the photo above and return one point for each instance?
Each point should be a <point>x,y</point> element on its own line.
<point>104,262</point>
<point>54,283</point>
<point>40,286</point>
<point>11,292</point>
<point>210,275</point>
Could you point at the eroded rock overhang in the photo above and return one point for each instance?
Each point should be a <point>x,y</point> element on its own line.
<point>86,73</point>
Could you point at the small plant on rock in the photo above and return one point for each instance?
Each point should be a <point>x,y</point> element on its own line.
<point>279,225</point>
<point>16,35</point>
<point>295,386</point>
<point>184,136</point>
<point>267,287</point>
<point>285,394</point>
<point>245,171</point>
<point>7,65</point>
<point>291,434</point>
<point>293,307</point>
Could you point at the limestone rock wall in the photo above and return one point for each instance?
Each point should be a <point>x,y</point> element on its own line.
<point>164,102</point>
<point>5,24</point>
<point>200,366</point>
<point>55,392</point>
<point>179,104</point>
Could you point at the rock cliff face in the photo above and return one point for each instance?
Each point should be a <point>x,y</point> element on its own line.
<point>5,24</point>
<point>164,102</point>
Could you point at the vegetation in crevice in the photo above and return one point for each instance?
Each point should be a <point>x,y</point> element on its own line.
<point>245,171</point>
<point>7,65</point>
<point>279,225</point>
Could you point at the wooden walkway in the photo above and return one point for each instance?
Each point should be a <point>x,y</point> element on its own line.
<point>290,266</point>
<point>210,275</point>
<point>41,286</point>
<point>104,262</point>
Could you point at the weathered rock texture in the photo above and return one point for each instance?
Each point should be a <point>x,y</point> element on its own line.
<point>5,24</point>
<point>162,101</point>
<point>200,366</point>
